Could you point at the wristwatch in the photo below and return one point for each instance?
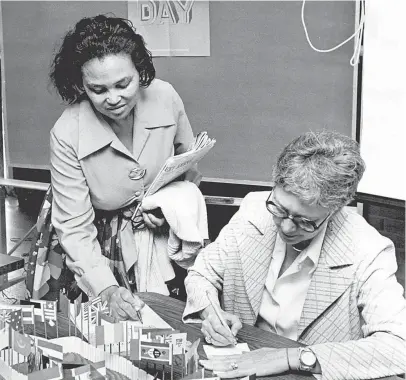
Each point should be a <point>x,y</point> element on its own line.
<point>307,359</point>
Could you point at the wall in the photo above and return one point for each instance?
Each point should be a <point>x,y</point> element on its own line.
<point>390,222</point>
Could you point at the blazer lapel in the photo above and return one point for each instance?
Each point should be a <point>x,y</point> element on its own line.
<point>257,248</point>
<point>333,274</point>
<point>141,135</point>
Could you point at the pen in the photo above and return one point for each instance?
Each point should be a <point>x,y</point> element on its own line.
<point>219,315</point>
<point>128,286</point>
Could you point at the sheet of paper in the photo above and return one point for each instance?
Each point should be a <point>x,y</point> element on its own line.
<point>212,351</point>
<point>150,319</point>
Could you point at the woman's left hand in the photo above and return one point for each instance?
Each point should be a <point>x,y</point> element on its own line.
<point>262,362</point>
<point>152,221</point>
<point>151,214</point>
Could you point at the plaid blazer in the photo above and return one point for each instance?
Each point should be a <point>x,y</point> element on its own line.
<point>354,315</point>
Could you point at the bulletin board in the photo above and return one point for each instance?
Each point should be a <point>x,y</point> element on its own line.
<point>260,87</point>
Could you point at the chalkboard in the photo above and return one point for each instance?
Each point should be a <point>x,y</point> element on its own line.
<point>261,86</point>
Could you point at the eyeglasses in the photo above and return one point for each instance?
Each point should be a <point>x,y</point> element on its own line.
<point>303,223</point>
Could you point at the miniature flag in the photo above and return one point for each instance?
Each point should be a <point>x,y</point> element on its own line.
<point>52,350</point>
<point>26,310</point>
<point>102,316</point>
<point>99,332</point>
<point>178,343</point>
<point>53,373</point>
<point>192,358</point>
<point>157,335</point>
<point>50,309</point>
<point>14,319</point>
<point>28,314</point>
<point>85,311</point>
<point>4,337</point>
<point>77,305</point>
<point>47,311</point>
<point>156,351</point>
<point>112,333</point>
<point>87,307</point>
<point>135,349</point>
<point>21,343</point>
<point>250,377</point>
<point>64,304</point>
<point>38,311</point>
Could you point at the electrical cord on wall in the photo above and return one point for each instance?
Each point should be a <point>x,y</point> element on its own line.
<point>357,35</point>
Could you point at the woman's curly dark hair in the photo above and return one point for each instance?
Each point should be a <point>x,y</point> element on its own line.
<point>97,37</point>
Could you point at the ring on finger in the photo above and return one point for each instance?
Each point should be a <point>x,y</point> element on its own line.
<point>233,365</point>
<point>208,339</point>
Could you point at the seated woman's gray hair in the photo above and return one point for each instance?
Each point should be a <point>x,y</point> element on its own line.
<point>321,168</point>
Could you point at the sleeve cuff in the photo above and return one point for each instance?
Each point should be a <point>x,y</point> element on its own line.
<point>95,280</point>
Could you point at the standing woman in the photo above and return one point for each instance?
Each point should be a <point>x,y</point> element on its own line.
<point>106,148</point>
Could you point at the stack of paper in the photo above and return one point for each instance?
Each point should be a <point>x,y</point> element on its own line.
<point>175,166</point>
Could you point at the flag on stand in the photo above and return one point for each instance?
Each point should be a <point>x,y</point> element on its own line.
<point>113,333</point>
<point>161,352</point>
<point>21,343</point>
<point>92,304</point>
<point>50,309</point>
<point>26,310</point>
<point>109,333</point>
<point>77,305</point>
<point>178,343</point>
<point>192,358</point>
<point>52,350</point>
<point>38,311</point>
<point>14,318</point>
<point>157,335</point>
<point>102,316</point>
<point>64,305</point>
<point>135,349</point>
<point>99,332</point>
<point>53,373</point>
<point>47,311</point>
<point>28,314</point>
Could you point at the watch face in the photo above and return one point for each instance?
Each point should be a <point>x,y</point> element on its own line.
<point>308,358</point>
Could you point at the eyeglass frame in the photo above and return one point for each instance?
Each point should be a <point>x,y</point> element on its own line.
<point>293,217</point>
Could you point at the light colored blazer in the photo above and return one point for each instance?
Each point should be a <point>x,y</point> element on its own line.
<point>91,168</point>
<point>354,316</point>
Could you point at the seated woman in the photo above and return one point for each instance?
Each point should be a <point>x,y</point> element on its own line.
<point>106,148</point>
<point>298,263</point>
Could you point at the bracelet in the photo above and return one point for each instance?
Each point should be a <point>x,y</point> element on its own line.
<point>287,357</point>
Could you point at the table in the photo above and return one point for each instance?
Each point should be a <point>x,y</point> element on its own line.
<point>170,310</point>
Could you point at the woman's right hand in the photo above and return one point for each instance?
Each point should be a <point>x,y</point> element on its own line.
<point>215,332</point>
<point>122,303</point>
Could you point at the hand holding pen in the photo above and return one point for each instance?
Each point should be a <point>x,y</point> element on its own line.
<point>128,287</point>
<point>123,304</point>
<point>215,325</point>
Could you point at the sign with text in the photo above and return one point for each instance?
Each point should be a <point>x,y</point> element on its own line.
<point>172,28</point>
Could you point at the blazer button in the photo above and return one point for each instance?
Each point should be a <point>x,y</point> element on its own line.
<point>137,193</point>
<point>137,174</point>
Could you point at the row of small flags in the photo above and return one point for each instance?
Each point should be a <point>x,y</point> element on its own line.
<point>28,312</point>
<point>157,345</point>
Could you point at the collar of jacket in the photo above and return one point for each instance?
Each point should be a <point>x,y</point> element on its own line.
<point>337,245</point>
<point>95,133</point>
